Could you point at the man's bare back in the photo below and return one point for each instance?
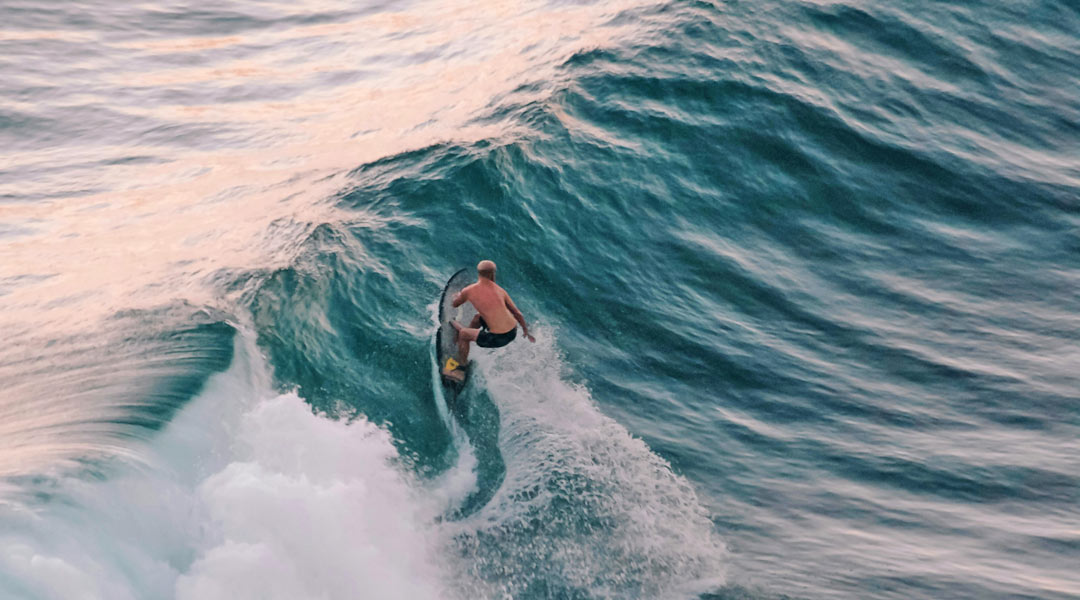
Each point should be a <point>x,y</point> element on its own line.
<point>495,324</point>
<point>492,302</point>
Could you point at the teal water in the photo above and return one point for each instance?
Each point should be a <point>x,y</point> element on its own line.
<point>803,277</point>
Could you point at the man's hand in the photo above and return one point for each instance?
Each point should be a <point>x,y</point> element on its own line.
<point>529,337</point>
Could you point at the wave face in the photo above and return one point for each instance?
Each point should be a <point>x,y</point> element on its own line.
<point>802,273</point>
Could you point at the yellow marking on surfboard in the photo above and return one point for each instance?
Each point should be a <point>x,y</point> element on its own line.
<point>451,364</point>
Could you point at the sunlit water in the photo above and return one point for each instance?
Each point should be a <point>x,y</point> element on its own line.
<point>803,277</point>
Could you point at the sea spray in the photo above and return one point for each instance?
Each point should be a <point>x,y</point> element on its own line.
<point>586,509</point>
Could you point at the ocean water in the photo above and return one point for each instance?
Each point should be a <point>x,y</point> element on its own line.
<point>803,276</point>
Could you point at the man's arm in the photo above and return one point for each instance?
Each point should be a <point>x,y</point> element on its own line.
<point>517,315</point>
<point>461,296</point>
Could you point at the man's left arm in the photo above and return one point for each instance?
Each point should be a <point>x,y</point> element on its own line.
<point>520,317</point>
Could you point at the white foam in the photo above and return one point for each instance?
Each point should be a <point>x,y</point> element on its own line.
<point>246,494</point>
<point>312,508</point>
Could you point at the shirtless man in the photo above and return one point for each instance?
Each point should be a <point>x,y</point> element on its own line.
<point>495,324</point>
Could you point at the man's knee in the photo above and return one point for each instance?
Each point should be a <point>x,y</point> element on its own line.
<point>468,335</point>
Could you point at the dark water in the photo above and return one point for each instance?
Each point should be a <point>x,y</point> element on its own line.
<point>803,277</point>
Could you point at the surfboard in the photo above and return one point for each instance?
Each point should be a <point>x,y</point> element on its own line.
<point>446,351</point>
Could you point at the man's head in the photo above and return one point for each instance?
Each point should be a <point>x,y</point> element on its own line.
<point>486,269</point>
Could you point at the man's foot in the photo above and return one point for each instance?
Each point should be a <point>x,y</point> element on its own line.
<point>457,373</point>
<point>453,366</point>
<point>458,376</point>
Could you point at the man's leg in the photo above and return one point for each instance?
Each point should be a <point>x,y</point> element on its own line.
<point>465,335</point>
<point>474,326</point>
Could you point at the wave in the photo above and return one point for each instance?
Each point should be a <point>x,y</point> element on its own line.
<point>248,493</point>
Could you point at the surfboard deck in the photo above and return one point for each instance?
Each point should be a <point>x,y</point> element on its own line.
<point>446,351</point>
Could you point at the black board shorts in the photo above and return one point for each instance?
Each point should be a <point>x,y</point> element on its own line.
<point>486,339</point>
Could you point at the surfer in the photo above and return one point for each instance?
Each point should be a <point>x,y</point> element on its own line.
<point>495,324</point>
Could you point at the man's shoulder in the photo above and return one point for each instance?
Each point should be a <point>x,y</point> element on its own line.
<point>489,290</point>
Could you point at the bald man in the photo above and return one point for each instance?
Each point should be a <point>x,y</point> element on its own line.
<point>495,324</point>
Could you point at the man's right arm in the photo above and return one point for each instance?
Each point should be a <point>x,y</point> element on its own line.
<point>461,297</point>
